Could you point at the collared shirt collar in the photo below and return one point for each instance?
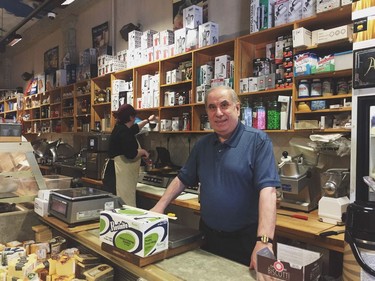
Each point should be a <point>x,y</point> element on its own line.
<point>234,138</point>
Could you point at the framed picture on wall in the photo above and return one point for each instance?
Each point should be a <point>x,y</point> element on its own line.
<point>100,38</point>
<point>51,60</point>
<point>364,68</point>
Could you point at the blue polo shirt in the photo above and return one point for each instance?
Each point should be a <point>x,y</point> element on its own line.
<point>231,175</point>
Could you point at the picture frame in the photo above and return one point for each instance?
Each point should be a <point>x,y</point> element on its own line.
<point>364,68</point>
<point>100,35</point>
<point>51,60</point>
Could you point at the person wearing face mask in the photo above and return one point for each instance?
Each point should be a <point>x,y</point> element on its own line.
<point>126,153</point>
<point>238,176</point>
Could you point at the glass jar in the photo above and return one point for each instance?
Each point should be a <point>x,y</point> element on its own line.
<point>316,88</point>
<point>186,121</point>
<point>303,89</point>
<point>342,87</point>
<point>259,116</point>
<point>273,115</point>
<point>327,89</point>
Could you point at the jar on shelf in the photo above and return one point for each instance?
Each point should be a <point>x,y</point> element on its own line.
<point>186,121</point>
<point>342,87</point>
<point>273,115</point>
<point>316,88</point>
<point>304,88</point>
<point>327,89</point>
<point>259,115</point>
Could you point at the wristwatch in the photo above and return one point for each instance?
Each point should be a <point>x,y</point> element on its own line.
<point>264,239</point>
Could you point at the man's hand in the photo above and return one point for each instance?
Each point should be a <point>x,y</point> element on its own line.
<point>258,246</point>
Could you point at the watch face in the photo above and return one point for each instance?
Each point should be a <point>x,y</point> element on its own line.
<point>364,68</point>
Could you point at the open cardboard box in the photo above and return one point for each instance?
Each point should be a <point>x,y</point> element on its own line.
<point>292,264</point>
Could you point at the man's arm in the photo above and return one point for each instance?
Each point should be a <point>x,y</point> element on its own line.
<point>267,220</point>
<point>172,192</point>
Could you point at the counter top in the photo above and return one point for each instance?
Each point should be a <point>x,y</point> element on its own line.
<point>193,265</point>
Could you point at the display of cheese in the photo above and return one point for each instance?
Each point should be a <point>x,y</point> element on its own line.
<point>20,267</point>
<point>99,273</point>
<point>66,266</point>
<point>9,254</point>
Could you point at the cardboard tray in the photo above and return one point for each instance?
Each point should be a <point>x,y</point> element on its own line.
<point>139,261</point>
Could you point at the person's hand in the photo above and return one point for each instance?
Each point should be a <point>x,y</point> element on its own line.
<point>151,117</point>
<point>143,153</point>
<point>258,246</point>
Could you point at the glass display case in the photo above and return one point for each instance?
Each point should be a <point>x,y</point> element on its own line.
<point>20,176</point>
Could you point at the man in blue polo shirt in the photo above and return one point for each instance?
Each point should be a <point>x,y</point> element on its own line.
<point>237,171</point>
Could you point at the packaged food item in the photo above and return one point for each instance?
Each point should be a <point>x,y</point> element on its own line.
<point>303,89</point>
<point>327,87</point>
<point>316,88</point>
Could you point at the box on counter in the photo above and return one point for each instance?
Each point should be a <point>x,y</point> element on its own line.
<point>134,230</point>
<point>292,263</point>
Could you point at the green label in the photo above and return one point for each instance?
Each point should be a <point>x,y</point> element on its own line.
<point>125,241</point>
<point>150,242</point>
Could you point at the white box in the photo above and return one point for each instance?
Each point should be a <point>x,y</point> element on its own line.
<point>134,39</point>
<point>145,82</point>
<point>222,66</point>
<point>336,33</point>
<point>147,38</point>
<point>254,17</point>
<point>244,85</point>
<point>301,37</point>
<point>156,39</point>
<point>205,74</point>
<point>44,193</point>
<point>309,8</point>
<point>42,82</point>
<point>180,40</point>
<point>326,5</point>
<point>281,12</point>
<point>166,37</point>
<point>294,10</point>
<point>192,16</point>
<point>115,102</point>
<point>191,39</point>
<point>176,76</point>
<point>208,34</point>
<point>118,86</point>
<point>135,230</point>
<point>201,93</point>
<point>343,60</point>
<point>253,84</point>
<point>41,207</point>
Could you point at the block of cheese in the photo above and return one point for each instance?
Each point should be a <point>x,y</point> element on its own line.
<point>65,266</point>
<point>86,258</point>
<point>100,272</point>
<point>57,277</point>
<point>20,267</point>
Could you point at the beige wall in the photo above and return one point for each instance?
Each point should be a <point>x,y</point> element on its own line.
<point>232,16</point>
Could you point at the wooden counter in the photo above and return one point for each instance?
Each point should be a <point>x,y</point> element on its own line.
<point>296,229</point>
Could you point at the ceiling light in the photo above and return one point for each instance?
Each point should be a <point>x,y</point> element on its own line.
<point>67,2</point>
<point>14,39</point>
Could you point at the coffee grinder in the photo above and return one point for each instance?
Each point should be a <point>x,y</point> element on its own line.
<point>335,190</point>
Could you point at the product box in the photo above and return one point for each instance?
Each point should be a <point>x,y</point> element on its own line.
<point>294,10</point>
<point>325,64</point>
<point>253,84</point>
<point>192,16</point>
<point>244,85</point>
<point>292,263</point>
<point>134,230</point>
<point>191,39</point>
<point>166,37</point>
<point>41,207</point>
<point>364,32</point>
<point>222,66</point>
<point>135,39</point>
<point>208,34</point>
<point>254,16</point>
<point>309,8</point>
<point>301,37</point>
<point>326,5</point>
<point>180,40</point>
<point>281,12</point>
<point>303,63</point>
<point>337,33</point>
<point>343,60</point>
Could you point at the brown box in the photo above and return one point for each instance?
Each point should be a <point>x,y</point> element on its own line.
<point>306,266</point>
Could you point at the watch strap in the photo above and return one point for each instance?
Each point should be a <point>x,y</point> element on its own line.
<point>264,239</point>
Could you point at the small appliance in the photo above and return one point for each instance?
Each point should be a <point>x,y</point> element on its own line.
<point>335,190</point>
<point>97,147</point>
<point>299,184</point>
<point>83,204</point>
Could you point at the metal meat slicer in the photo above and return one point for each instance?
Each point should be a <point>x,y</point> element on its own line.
<point>299,183</point>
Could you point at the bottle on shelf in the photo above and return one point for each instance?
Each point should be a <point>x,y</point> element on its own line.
<point>259,115</point>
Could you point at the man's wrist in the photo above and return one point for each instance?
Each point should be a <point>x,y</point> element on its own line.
<point>264,239</point>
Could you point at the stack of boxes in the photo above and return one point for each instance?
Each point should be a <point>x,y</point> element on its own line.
<point>150,92</point>
<point>122,92</point>
<point>265,14</point>
<point>108,64</point>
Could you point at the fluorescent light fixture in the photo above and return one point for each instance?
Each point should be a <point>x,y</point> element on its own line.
<point>14,39</point>
<point>67,2</point>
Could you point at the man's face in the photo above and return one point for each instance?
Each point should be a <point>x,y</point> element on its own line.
<point>222,112</point>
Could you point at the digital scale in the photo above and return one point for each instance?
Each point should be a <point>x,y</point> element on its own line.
<point>77,205</point>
